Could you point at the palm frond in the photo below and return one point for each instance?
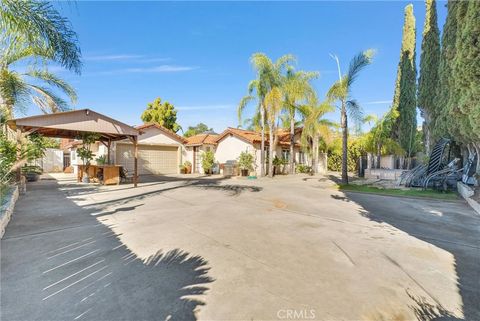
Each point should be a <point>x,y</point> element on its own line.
<point>47,101</point>
<point>354,110</point>
<point>360,61</point>
<point>242,105</point>
<point>338,90</point>
<point>54,81</point>
<point>13,89</point>
<point>42,25</point>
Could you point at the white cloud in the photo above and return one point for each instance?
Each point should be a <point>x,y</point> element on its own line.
<point>379,102</point>
<point>161,68</point>
<point>207,107</point>
<point>112,57</point>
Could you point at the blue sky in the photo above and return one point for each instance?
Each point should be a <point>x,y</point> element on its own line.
<point>196,54</point>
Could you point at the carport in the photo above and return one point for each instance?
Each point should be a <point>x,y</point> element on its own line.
<point>72,124</point>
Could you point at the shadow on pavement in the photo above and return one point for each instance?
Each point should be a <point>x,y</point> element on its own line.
<point>60,263</point>
<point>452,227</point>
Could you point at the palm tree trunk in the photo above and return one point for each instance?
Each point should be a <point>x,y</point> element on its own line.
<point>292,142</point>
<point>262,144</point>
<point>270,159</point>
<point>315,154</point>
<point>344,144</point>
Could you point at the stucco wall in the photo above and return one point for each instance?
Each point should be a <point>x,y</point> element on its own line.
<point>155,136</point>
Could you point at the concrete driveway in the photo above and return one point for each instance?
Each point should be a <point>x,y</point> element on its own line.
<point>291,248</point>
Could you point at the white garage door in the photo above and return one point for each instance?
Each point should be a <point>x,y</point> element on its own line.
<point>151,159</point>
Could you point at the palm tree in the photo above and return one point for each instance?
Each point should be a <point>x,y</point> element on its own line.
<point>36,83</point>
<point>273,105</point>
<point>268,77</point>
<point>297,90</point>
<point>315,127</point>
<point>37,23</point>
<point>341,92</point>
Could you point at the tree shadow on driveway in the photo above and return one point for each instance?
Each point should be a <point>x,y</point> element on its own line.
<point>68,266</point>
<point>453,227</point>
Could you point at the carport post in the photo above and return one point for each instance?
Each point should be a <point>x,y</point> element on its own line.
<point>135,163</point>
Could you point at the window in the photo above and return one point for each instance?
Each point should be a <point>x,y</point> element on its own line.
<point>286,154</point>
<point>301,158</point>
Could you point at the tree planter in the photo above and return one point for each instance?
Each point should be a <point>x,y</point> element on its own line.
<point>244,172</point>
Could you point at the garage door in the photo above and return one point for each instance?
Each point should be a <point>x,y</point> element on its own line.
<point>151,159</point>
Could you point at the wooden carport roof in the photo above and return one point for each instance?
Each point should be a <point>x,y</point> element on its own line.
<point>72,124</point>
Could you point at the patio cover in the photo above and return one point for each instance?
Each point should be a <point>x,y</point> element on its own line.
<point>72,124</point>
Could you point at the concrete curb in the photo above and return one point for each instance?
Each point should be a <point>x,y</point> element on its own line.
<point>404,196</point>
<point>6,209</point>
<point>467,192</point>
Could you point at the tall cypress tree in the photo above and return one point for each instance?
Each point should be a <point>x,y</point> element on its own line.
<point>445,78</point>
<point>429,61</point>
<point>404,100</point>
<point>466,98</point>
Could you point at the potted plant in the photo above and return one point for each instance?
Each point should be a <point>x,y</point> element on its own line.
<point>245,163</point>
<point>188,167</point>
<point>101,160</point>
<point>278,165</point>
<point>208,160</point>
<point>32,173</point>
<point>183,169</point>
<point>86,154</point>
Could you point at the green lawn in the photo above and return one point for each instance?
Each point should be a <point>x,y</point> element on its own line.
<point>399,192</point>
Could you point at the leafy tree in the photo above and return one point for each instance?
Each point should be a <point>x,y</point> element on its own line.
<point>404,100</point>
<point>16,88</point>
<point>163,114</point>
<point>37,24</point>
<point>341,92</point>
<point>268,76</point>
<point>208,160</point>
<point>429,61</point>
<point>85,152</point>
<point>297,90</point>
<point>198,129</point>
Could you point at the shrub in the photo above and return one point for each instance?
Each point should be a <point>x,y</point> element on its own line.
<point>245,161</point>
<point>304,169</point>
<point>208,160</point>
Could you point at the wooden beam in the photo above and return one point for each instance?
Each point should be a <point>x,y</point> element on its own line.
<point>135,164</point>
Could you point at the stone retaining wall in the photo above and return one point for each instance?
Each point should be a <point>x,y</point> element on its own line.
<point>6,209</point>
<point>380,173</point>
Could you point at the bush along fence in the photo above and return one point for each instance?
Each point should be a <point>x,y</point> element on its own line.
<point>8,197</point>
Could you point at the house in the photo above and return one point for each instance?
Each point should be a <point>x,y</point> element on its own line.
<point>196,145</point>
<point>233,141</point>
<point>160,151</point>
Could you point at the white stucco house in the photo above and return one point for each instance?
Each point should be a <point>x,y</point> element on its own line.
<point>162,151</point>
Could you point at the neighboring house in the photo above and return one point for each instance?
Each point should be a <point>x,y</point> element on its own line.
<point>160,151</point>
<point>233,141</point>
<point>74,160</point>
<point>196,145</point>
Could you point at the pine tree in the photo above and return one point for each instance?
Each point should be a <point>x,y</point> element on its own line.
<point>429,61</point>
<point>404,100</point>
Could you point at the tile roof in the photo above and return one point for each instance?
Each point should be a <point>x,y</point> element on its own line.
<point>201,139</point>
<point>255,137</point>
<point>164,130</point>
